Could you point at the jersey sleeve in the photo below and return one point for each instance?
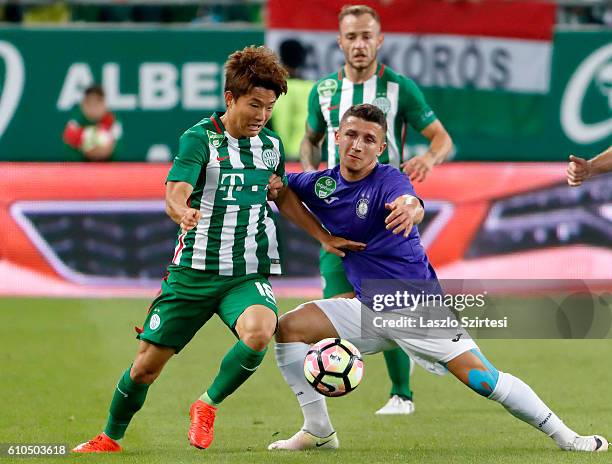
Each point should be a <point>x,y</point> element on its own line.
<point>414,108</point>
<point>315,118</point>
<point>302,184</point>
<point>281,168</point>
<point>193,155</point>
<point>398,184</point>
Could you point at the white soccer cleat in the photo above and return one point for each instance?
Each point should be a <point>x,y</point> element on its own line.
<point>589,444</point>
<point>396,405</point>
<point>304,440</point>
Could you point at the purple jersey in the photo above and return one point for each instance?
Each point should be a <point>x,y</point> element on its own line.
<point>356,211</point>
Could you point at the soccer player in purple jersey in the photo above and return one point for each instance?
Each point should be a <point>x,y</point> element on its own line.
<point>373,203</point>
<point>364,79</point>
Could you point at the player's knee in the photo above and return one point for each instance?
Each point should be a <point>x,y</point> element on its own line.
<point>483,380</point>
<point>142,373</point>
<point>256,327</point>
<point>291,327</point>
<point>258,338</point>
<point>284,331</point>
<point>257,333</point>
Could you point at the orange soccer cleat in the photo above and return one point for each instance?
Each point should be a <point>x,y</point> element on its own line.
<point>201,431</point>
<point>100,444</point>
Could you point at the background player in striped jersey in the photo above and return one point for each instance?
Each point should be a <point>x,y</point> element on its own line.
<point>227,247</point>
<point>364,80</point>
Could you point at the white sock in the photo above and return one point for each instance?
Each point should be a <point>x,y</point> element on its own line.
<point>316,419</point>
<point>290,360</point>
<point>522,402</point>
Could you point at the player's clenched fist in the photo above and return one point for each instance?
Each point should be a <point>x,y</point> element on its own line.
<point>190,219</point>
<point>275,184</point>
<point>405,211</point>
<point>578,170</point>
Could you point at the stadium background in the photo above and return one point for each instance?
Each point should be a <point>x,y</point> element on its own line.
<point>511,92</point>
<point>517,95</point>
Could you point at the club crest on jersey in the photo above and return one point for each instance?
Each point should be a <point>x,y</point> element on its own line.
<point>215,139</point>
<point>154,322</point>
<point>327,88</point>
<point>382,103</point>
<point>325,186</point>
<point>362,208</point>
<point>270,158</point>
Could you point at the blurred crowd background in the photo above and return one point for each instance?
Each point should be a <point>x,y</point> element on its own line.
<point>570,12</point>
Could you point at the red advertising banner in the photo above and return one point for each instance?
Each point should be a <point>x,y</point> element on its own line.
<point>84,229</point>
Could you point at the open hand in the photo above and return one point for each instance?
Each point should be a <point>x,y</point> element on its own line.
<point>404,211</point>
<point>418,168</point>
<point>335,245</point>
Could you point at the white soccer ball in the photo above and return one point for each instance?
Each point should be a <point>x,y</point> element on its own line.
<point>94,137</point>
<point>333,367</point>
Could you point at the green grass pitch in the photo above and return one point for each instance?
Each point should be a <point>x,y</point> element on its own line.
<point>61,358</point>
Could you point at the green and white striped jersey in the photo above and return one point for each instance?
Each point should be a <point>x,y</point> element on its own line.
<point>237,233</point>
<point>397,96</point>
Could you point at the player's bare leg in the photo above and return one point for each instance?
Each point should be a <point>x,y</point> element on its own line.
<point>149,362</point>
<point>475,371</point>
<point>130,394</point>
<point>306,324</point>
<point>297,330</point>
<point>255,328</point>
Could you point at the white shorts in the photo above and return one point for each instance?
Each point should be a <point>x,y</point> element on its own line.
<point>345,315</point>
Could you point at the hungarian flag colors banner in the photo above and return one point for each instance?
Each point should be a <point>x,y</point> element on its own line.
<point>483,66</point>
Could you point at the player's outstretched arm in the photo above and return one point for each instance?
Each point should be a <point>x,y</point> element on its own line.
<point>579,169</point>
<point>440,146</point>
<point>292,208</point>
<point>406,211</point>
<point>310,149</point>
<point>177,194</point>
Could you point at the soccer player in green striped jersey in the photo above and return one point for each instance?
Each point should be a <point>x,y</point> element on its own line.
<point>227,168</point>
<point>364,80</point>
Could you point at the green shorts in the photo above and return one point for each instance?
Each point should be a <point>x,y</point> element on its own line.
<point>189,298</point>
<point>333,276</point>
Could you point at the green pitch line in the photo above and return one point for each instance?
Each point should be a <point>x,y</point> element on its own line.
<point>61,358</point>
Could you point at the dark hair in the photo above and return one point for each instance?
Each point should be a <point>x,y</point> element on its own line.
<point>94,89</point>
<point>254,67</point>
<point>368,113</point>
<point>292,53</point>
<point>358,10</point>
